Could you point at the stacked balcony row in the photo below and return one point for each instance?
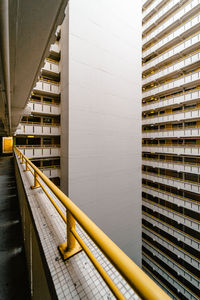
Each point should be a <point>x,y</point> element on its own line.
<point>188,164</point>
<point>38,135</point>
<point>160,11</point>
<point>179,97</point>
<point>171,146</point>
<point>152,9</point>
<point>183,48</point>
<point>181,15</point>
<point>188,110</point>
<point>173,38</point>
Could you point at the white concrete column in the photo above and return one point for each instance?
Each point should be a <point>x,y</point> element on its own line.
<point>101,94</point>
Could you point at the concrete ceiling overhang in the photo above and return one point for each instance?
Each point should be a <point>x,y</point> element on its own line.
<point>27,28</point>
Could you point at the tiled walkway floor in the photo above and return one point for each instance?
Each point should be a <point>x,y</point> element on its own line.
<point>13,273</point>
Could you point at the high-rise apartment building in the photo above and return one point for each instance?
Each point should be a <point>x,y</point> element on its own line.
<point>171,140</point>
<point>84,129</point>
<point>38,134</point>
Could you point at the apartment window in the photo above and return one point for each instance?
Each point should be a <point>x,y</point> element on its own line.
<point>36,163</point>
<point>24,119</point>
<point>35,98</point>
<point>47,100</point>
<point>190,141</point>
<point>56,181</point>
<point>20,141</point>
<point>177,158</point>
<point>57,140</point>
<point>190,124</point>
<point>178,125</point>
<point>34,119</point>
<point>162,142</point>
<point>33,141</point>
<point>190,160</point>
<point>47,141</point>
<point>56,162</point>
<point>162,157</point>
<point>189,106</point>
<point>177,109</point>
<point>47,120</point>
<point>177,142</point>
<point>162,112</point>
<point>191,177</point>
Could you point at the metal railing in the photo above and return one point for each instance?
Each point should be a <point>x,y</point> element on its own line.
<point>143,285</point>
<point>40,146</point>
<point>170,160</point>
<point>171,145</point>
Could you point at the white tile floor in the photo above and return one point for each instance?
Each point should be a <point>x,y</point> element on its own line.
<point>75,278</point>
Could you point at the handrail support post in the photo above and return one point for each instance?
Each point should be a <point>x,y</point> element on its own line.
<point>71,247</point>
<point>27,168</point>
<point>36,183</point>
<point>22,159</point>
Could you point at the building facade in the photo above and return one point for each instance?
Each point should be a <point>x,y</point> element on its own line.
<point>84,126</point>
<point>84,130</point>
<point>171,153</point>
<point>38,134</point>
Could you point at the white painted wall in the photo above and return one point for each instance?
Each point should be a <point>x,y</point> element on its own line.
<point>104,97</point>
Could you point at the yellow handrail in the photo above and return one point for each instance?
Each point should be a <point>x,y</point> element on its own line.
<point>142,284</point>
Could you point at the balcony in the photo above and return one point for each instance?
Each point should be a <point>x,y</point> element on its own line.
<point>173,86</point>
<point>182,14</point>
<point>29,129</point>
<point>43,211</point>
<point>173,149</point>
<point>51,172</point>
<point>47,88</point>
<point>153,8</point>
<point>194,94</point>
<point>175,69</point>
<point>51,66</point>
<point>34,151</point>
<point>55,51</point>
<point>44,108</point>
<point>186,132</point>
<point>162,14</point>
<point>171,246</point>
<point>177,183</point>
<point>180,167</point>
<point>175,199</point>
<point>176,116</point>
<point>173,215</point>
<point>181,236</point>
<point>184,48</point>
<point>182,32</point>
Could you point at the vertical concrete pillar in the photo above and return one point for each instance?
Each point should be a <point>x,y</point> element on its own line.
<point>101,110</point>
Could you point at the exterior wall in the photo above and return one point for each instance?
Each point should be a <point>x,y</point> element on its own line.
<point>171,152</point>
<point>104,116</point>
